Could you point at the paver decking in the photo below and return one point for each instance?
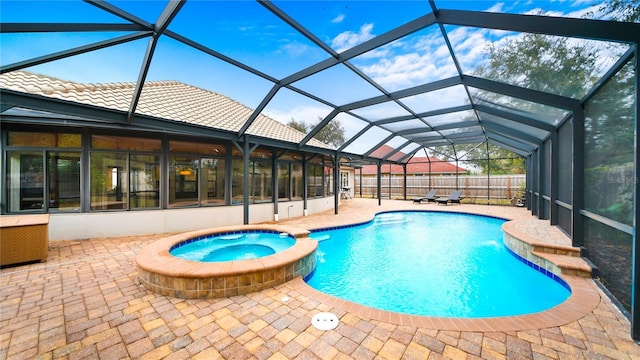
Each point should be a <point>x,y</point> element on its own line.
<point>86,302</point>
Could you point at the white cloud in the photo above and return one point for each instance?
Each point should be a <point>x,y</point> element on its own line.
<point>539,11</point>
<point>592,11</point>
<point>338,19</point>
<point>409,70</point>
<point>295,49</point>
<point>408,62</point>
<point>306,113</point>
<point>469,46</point>
<point>443,98</point>
<point>349,39</point>
<point>497,7</point>
<point>581,2</point>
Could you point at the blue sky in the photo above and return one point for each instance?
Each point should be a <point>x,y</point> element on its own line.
<point>247,32</point>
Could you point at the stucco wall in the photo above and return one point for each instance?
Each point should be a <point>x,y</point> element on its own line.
<point>125,223</point>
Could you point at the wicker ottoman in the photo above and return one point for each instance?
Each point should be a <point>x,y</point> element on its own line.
<point>23,238</point>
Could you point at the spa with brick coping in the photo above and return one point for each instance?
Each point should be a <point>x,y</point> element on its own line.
<point>163,273</point>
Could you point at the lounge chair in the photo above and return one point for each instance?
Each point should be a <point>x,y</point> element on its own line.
<point>431,196</point>
<point>453,198</point>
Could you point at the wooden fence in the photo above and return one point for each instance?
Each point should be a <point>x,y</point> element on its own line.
<point>476,188</point>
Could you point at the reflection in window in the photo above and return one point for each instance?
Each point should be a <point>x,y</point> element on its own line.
<point>284,183</point>
<point>108,142</point>
<point>609,144</point>
<point>197,148</point>
<point>237,182</point>
<point>183,181</point>
<point>261,185</point>
<point>108,188</point>
<point>314,180</point>
<point>19,138</point>
<point>25,180</point>
<point>145,182</point>
<point>212,181</point>
<point>64,181</point>
<point>297,185</point>
<point>260,181</point>
<point>328,180</point>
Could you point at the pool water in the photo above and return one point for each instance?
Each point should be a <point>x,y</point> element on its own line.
<point>231,247</point>
<point>431,264</point>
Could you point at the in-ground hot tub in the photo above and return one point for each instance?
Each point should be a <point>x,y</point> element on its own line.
<point>161,272</point>
<point>233,246</point>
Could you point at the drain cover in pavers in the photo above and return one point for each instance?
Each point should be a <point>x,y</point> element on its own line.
<point>325,321</point>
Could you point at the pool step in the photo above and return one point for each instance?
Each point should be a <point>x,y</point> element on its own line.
<point>546,247</point>
<point>389,219</point>
<point>569,264</point>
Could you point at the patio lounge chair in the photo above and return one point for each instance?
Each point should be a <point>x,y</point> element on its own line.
<point>453,198</point>
<point>431,196</point>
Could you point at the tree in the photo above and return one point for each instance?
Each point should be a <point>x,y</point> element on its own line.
<point>331,134</point>
<point>544,63</point>
<point>502,161</point>
<point>533,61</point>
<point>298,125</point>
<point>622,10</point>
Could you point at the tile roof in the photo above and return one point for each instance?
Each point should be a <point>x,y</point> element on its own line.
<point>417,165</point>
<point>171,100</point>
<point>413,167</point>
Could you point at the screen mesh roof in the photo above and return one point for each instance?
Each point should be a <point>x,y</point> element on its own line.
<point>407,75</point>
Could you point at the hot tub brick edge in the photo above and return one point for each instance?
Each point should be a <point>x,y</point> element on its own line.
<point>226,285</point>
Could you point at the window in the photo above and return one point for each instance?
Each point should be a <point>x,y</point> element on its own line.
<point>196,178</point>
<point>41,139</point>
<point>314,180</point>
<point>344,179</point>
<point>25,175</point>
<point>297,184</point>
<point>328,180</point>
<point>212,185</point>
<point>144,181</point>
<point>109,186</point>
<point>284,181</point>
<point>261,177</point>
<point>123,173</point>
<point>110,142</point>
<point>39,176</point>
<point>64,181</point>
<point>183,181</point>
<point>260,181</point>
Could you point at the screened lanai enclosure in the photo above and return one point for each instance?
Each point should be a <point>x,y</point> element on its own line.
<point>167,111</point>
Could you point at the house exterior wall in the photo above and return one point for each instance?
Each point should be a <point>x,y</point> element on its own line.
<point>102,183</point>
<point>77,226</point>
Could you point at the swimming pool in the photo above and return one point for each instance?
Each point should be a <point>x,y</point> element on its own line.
<point>432,264</point>
<point>237,245</point>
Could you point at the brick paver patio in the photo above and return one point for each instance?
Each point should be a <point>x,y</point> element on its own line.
<point>86,302</point>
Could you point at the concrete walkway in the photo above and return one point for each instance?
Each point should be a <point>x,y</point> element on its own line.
<point>85,302</point>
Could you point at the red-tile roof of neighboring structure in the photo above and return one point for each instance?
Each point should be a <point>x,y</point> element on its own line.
<point>417,165</point>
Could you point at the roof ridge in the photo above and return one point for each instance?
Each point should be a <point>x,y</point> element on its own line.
<point>68,85</point>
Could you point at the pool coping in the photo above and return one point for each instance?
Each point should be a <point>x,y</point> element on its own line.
<point>583,300</point>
